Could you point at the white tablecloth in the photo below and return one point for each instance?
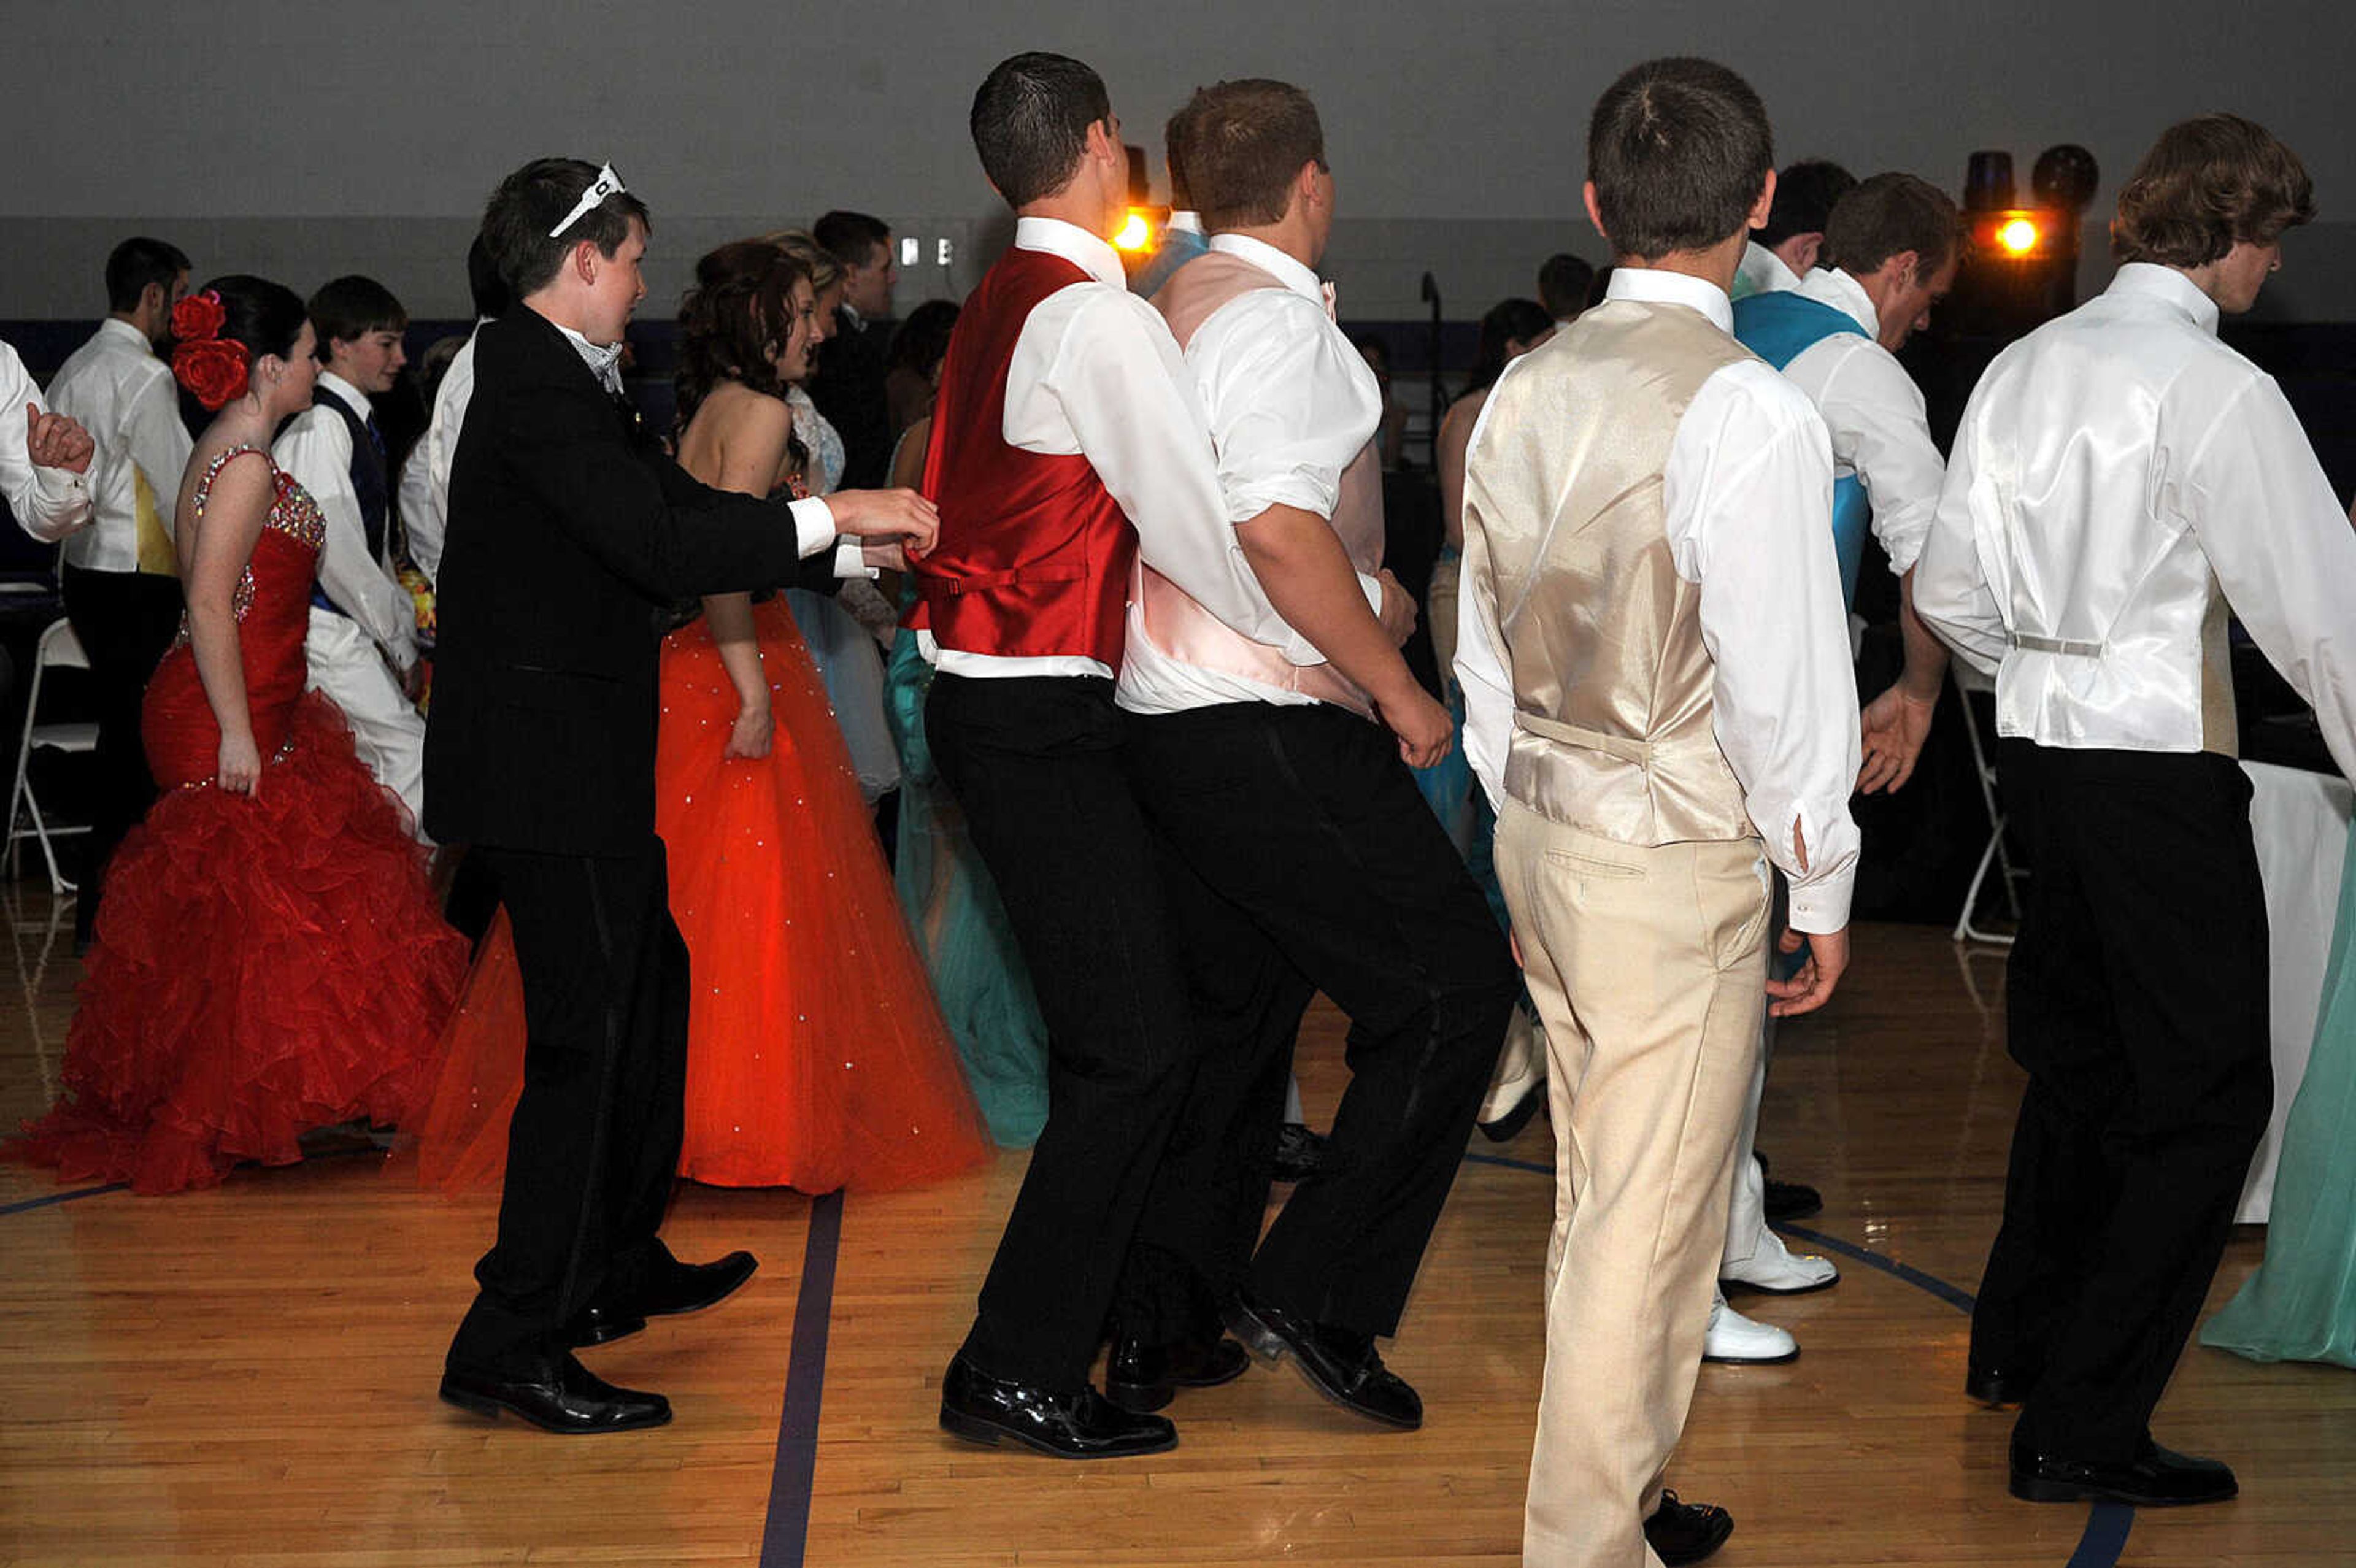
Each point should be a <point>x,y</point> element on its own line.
<point>2300,822</point>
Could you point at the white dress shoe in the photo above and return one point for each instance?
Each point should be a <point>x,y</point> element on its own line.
<point>1777,1270</point>
<point>1519,1090</point>
<point>1736,1339</point>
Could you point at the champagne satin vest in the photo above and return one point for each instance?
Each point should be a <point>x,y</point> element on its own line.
<point>1565,523</point>
<point>1034,555</point>
<point>1169,617</point>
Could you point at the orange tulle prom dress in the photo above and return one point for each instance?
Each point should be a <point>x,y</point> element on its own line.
<point>817,1058</point>
<point>264,964</point>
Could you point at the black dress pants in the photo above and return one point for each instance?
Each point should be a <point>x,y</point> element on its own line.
<point>1036,765</point>
<point>125,622</point>
<point>1309,861</point>
<point>2137,1001</point>
<point>596,1137</point>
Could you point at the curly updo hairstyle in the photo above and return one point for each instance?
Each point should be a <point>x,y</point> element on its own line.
<point>733,321</point>
<point>2207,183</point>
<point>264,316</point>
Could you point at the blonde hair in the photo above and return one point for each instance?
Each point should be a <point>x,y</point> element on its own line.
<point>825,267</point>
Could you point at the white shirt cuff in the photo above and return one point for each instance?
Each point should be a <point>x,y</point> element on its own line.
<point>850,557</point>
<point>813,524</point>
<point>1821,908</point>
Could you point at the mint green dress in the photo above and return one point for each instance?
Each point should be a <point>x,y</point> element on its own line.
<point>960,927</point>
<point>2301,1304</point>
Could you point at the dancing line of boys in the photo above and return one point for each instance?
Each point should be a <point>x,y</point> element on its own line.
<point>1171,700</point>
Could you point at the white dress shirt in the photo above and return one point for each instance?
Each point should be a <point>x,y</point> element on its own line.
<point>1291,402</point>
<point>1881,431</point>
<point>124,396</point>
<point>316,449</point>
<point>1748,499</point>
<point>1095,374</point>
<point>1762,272</point>
<point>425,477</point>
<point>813,519</point>
<point>49,503</point>
<point>2116,470</point>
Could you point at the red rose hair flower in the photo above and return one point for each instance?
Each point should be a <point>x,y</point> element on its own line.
<point>197,316</point>
<point>216,371</point>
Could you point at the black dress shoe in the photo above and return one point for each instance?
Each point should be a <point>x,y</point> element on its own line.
<point>1084,1426</point>
<point>1681,1532</point>
<point>1789,1201</point>
<point>1339,1363</point>
<point>1298,1153</point>
<point>1141,1377</point>
<point>563,1396</point>
<point>2156,1478</point>
<point>670,1289</point>
<point>1505,1129</point>
<point>1996,1387</point>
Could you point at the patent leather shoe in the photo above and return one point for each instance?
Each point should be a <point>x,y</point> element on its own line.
<point>670,1288</point>
<point>1682,1532</point>
<point>1141,1377</point>
<point>1082,1425</point>
<point>562,1396</point>
<point>1340,1363</point>
<point>2155,1478</point>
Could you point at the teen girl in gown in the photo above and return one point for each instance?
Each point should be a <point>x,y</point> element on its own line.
<point>815,1056</point>
<point>952,904</point>
<point>269,958</point>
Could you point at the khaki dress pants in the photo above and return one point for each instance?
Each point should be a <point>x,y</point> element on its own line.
<point>1648,967</point>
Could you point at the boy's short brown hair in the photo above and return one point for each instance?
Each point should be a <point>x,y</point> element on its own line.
<point>1244,143</point>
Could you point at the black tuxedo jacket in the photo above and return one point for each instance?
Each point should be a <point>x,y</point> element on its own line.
<point>572,539</point>
<point>849,390</point>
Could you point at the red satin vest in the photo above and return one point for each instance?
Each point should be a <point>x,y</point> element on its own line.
<point>1034,555</point>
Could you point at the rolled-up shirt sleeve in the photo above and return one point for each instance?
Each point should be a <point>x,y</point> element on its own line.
<point>1881,429</point>
<point>1748,493</point>
<point>1124,394</point>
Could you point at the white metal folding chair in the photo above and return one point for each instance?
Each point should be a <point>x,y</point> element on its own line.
<point>57,649</point>
<point>1969,681</point>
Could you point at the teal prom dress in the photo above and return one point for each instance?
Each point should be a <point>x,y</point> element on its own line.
<point>2301,1304</point>
<point>960,927</point>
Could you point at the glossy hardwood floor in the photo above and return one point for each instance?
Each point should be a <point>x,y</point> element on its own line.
<point>245,1376</point>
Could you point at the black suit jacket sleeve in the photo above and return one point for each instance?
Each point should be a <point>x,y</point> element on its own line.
<point>649,523</point>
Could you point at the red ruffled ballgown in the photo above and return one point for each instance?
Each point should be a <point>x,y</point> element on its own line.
<point>263,964</point>
<point>817,1058</point>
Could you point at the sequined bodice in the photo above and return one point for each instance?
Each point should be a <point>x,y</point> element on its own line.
<point>273,605</point>
<point>293,515</point>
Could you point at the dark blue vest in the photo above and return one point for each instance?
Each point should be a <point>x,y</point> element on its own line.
<point>370,483</point>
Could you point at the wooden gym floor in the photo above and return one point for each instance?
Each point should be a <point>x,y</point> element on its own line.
<point>245,1377</point>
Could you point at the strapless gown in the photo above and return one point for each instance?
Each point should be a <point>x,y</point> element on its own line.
<point>263,964</point>
<point>817,1058</point>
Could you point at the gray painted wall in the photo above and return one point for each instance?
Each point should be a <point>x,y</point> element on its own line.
<point>301,141</point>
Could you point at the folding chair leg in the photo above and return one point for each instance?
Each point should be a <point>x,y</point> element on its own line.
<point>1964,930</point>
